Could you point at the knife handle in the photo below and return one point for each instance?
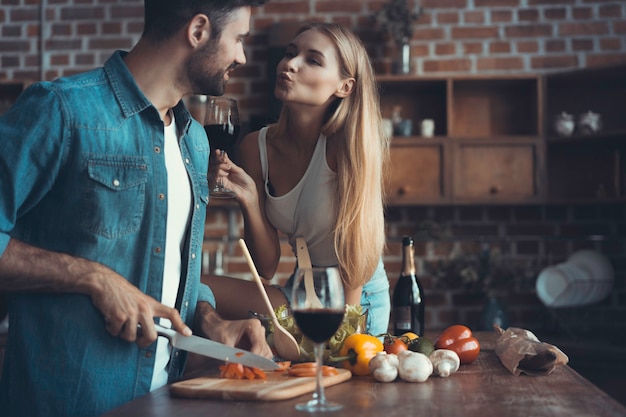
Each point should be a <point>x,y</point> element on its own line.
<point>161,331</point>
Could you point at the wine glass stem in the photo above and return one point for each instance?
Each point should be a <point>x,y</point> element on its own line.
<point>220,180</point>
<point>319,358</point>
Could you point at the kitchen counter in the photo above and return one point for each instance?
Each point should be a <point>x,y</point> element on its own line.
<point>484,388</point>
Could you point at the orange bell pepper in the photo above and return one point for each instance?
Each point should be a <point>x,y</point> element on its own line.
<point>357,350</point>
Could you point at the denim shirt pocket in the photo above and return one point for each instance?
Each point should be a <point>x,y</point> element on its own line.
<point>114,195</point>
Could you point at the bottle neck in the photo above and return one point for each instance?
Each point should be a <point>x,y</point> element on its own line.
<point>408,260</point>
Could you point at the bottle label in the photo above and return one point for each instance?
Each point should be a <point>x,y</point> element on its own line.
<point>402,317</point>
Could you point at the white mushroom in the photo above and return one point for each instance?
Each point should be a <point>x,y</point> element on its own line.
<point>445,362</point>
<point>384,366</point>
<point>414,366</point>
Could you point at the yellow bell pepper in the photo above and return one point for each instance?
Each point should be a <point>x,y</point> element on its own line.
<point>357,350</point>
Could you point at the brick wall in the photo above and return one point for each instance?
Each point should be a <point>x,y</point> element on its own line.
<point>529,238</point>
<point>47,39</point>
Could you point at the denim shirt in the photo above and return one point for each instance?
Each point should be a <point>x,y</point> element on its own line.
<point>82,172</point>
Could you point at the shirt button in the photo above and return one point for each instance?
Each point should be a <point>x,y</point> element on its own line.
<point>187,161</point>
<point>176,353</point>
<point>157,250</point>
<point>157,149</point>
<point>193,256</point>
<point>161,196</point>
<point>148,354</point>
<point>197,206</point>
<point>116,182</point>
<point>186,303</point>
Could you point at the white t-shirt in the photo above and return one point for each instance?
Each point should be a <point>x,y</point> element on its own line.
<point>178,212</point>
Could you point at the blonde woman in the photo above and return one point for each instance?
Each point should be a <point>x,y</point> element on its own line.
<point>317,173</point>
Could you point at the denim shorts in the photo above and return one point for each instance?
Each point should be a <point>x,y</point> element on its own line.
<point>374,298</point>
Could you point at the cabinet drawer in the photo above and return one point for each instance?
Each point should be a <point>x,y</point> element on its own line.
<point>416,175</point>
<point>495,172</point>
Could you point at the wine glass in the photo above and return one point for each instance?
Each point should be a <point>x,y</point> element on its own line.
<point>221,123</point>
<point>318,321</point>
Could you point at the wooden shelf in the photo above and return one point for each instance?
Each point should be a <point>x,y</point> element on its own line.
<point>475,117</point>
<point>494,107</point>
<point>601,90</point>
<point>589,167</point>
<point>495,141</point>
<point>417,99</point>
<point>595,138</point>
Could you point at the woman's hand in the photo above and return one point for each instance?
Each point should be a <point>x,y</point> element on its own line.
<point>232,177</point>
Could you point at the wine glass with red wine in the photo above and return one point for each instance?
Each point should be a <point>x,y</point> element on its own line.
<point>222,126</point>
<point>318,320</point>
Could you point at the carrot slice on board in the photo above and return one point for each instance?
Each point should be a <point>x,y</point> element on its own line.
<point>258,373</point>
<point>238,371</point>
<point>248,373</point>
<point>234,371</point>
<point>311,371</point>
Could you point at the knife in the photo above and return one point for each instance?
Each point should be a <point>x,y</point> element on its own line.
<point>216,350</point>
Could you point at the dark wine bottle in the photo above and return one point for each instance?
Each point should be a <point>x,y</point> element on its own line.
<point>408,295</point>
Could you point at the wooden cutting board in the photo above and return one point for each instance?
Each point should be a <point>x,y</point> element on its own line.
<point>277,386</point>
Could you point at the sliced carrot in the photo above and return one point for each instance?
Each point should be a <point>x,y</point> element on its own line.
<point>238,371</point>
<point>229,371</point>
<point>311,371</point>
<point>248,373</point>
<point>258,373</point>
<point>234,371</point>
<point>329,371</point>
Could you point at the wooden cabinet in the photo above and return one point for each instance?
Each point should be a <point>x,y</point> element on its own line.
<point>417,174</point>
<point>488,171</point>
<point>587,166</point>
<point>487,145</point>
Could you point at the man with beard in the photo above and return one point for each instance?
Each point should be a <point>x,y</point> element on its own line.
<point>103,192</point>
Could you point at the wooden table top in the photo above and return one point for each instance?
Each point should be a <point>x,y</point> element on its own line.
<point>481,389</point>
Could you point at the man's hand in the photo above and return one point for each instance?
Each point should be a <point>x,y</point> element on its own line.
<point>246,334</point>
<point>124,307</point>
<point>27,268</point>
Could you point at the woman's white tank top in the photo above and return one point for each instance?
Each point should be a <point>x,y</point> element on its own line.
<point>308,210</point>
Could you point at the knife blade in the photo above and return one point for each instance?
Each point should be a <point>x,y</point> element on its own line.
<point>216,350</point>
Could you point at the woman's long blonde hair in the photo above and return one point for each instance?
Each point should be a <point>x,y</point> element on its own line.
<point>354,122</point>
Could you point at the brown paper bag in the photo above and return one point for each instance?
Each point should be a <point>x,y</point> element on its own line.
<point>520,351</point>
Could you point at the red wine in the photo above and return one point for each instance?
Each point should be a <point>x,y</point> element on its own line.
<point>408,295</point>
<point>222,136</point>
<point>319,325</point>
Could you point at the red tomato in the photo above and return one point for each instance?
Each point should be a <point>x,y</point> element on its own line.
<point>467,349</point>
<point>451,335</point>
<point>459,339</point>
<point>394,345</point>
